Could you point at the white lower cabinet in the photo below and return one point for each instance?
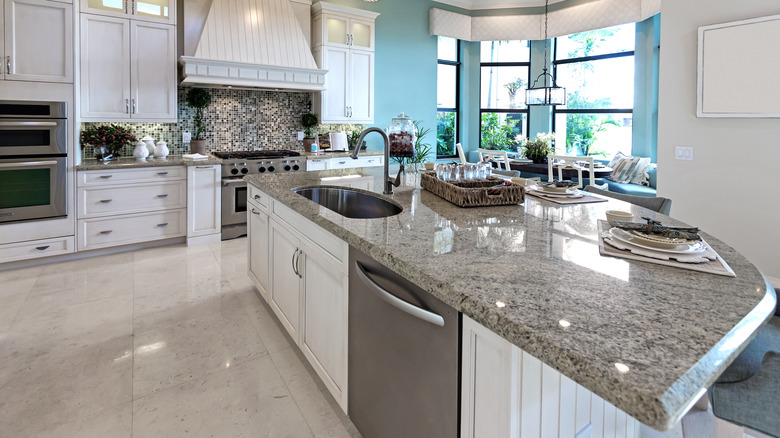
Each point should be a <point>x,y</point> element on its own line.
<point>304,279</point>
<point>134,228</point>
<point>36,248</point>
<point>506,392</point>
<point>204,204</point>
<point>344,162</point>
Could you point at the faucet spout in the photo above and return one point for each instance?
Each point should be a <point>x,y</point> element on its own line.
<point>387,182</point>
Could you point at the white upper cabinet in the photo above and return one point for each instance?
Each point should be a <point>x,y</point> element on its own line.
<point>161,11</point>
<point>37,41</point>
<point>343,44</point>
<point>128,70</point>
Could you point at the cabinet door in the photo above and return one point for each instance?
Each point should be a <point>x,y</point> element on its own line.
<point>105,68</point>
<point>153,71</point>
<point>361,82</point>
<point>336,30</point>
<point>257,229</point>
<point>334,98</point>
<point>115,8</point>
<point>161,11</point>
<point>361,34</point>
<point>38,41</point>
<point>285,281</point>
<point>204,201</point>
<point>323,332</point>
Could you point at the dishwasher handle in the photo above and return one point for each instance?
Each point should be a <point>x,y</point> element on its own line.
<point>396,302</point>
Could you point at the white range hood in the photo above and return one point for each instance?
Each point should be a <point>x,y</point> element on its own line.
<point>250,44</point>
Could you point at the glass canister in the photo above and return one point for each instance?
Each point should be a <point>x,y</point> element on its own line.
<point>401,135</point>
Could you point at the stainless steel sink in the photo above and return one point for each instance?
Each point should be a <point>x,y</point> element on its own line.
<point>350,203</point>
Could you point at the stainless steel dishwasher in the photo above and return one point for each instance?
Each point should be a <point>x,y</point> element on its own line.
<point>404,352</point>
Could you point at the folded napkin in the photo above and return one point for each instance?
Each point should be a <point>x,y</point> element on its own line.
<point>654,228</point>
<point>194,157</point>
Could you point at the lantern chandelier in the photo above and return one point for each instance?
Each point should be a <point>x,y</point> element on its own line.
<point>545,95</point>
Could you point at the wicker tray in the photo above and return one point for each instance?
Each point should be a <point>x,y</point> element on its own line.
<point>476,193</point>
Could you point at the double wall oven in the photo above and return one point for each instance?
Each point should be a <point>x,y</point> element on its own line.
<point>33,160</point>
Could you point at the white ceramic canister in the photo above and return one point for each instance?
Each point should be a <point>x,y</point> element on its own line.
<point>161,150</point>
<point>140,152</point>
<point>149,144</point>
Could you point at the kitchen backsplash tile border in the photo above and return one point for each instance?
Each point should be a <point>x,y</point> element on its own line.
<point>235,120</point>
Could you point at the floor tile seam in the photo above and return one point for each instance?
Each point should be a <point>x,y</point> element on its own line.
<point>168,322</point>
<point>286,385</point>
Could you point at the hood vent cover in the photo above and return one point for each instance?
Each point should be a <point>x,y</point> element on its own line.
<point>252,43</point>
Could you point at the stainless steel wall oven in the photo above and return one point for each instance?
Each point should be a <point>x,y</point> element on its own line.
<point>33,160</point>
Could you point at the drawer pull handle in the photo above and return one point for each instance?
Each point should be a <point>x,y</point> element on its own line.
<point>255,212</point>
<point>342,162</point>
<point>106,232</point>
<point>163,196</point>
<point>106,201</point>
<point>203,167</point>
<point>106,176</point>
<point>162,225</point>
<point>257,197</point>
<point>41,248</point>
<point>162,173</point>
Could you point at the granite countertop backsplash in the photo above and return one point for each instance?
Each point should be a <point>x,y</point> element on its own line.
<point>520,270</point>
<point>130,162</point>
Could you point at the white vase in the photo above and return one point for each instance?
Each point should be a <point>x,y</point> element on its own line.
<point>141,151</point>
<point>149,144</point>
<point>161,150</point>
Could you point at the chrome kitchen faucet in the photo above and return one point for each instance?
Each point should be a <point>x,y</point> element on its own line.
<point>388,182</point>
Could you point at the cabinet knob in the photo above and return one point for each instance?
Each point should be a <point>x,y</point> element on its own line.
<point>257,197</point>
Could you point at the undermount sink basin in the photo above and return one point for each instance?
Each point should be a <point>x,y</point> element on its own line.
<point>350,203</point>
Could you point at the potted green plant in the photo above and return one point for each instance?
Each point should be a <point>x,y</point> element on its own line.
<point>309,121</point>
<point>107,140</point>
<point>198,98</point>
<point>421,150</point>
<point>537,149</point>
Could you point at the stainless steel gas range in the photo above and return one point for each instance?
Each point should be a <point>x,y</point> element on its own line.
<point>239,163</point>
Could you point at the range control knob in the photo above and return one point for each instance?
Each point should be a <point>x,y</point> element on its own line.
<point>244,170</point>
<point>271,168</point>
<point>234,171</point>
<point>296,167</point>
<point>261,169</point>
<point>287,167</point>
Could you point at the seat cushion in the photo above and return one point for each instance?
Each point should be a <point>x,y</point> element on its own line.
<point>748,363</point>
<point>631,189</point>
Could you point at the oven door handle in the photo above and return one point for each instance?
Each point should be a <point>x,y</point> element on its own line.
<point>29,123</point>
<point>229,182</point>
<point>28,163</point>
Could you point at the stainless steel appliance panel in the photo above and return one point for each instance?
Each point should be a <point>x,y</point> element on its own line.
<point>26,137</point>
<point>32,188</point>
<point>31,109</point>
<point>234,194</point>
<point>403,365</point>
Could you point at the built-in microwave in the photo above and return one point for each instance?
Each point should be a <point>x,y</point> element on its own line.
<point>30,128</point>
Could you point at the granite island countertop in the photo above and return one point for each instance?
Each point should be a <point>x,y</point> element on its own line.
<point>676,330</point>
<point>130,162</point>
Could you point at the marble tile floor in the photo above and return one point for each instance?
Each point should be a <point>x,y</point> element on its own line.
<point>161,342</point>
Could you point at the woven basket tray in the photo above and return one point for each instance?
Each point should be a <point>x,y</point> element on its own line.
<point>476,193</point>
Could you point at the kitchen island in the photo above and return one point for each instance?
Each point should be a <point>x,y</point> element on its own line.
<point>520,271</point>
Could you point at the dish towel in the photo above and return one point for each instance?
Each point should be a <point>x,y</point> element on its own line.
<point>194,157</point>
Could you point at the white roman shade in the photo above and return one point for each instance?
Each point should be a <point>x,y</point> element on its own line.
<point>579,18</point>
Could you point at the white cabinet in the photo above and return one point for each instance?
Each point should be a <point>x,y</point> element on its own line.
<point>204,204</point>
<point>304,279</point>
<point>128,70</point>
<point>161,11</point>
<point>344,162</point>
<point>507,392</point>
<point>36,248</point>
<point>37,41</point>
<point>343,44</point>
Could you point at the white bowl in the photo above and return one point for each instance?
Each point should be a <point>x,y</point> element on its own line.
<point>617,215</point>
<point>429,166</point>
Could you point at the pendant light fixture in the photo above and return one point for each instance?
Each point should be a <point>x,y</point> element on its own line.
<point>545,95</point>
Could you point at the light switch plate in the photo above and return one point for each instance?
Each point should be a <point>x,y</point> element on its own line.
<point>186,137</point>
<point>683,153</point>
<point>300,135</point>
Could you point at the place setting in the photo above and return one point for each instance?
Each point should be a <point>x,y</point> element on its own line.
<point>653,242</point>
<point>562,192</point>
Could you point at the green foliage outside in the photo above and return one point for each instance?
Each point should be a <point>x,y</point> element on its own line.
<point>500,136</point>
<point>445,133</point>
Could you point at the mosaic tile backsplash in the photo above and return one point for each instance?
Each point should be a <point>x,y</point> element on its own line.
<point>235,120</point>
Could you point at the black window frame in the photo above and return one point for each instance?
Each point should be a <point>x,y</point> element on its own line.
<point>526,110</point>
<point>456,109</point>
<point>556,62</point>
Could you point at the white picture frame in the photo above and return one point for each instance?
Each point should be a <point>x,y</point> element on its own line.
<point>732,57</point>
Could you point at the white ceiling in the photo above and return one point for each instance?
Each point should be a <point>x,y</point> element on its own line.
<point>495,4</point>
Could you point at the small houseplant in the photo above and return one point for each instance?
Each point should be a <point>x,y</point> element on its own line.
<point>309,121</point>
<point>537,149</point>
<point>198,98</point>
<point>108,140</point>
<point>421,150</point>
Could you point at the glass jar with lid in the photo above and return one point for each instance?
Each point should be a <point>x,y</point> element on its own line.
<point>401,135</point>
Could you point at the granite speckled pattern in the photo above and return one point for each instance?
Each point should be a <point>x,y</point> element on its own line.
<point>129,163</point>
<point>676,330</point>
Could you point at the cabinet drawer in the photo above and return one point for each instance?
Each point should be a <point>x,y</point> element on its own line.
<point>137,198</point>
<point>135,228</point>
<point>317,164</point>
<point>36,248</point>
<point>121,176</point>
<point>258,197</point>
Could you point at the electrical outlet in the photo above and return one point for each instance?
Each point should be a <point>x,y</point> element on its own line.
<point>683,153</point>
<point>186,137</point>
<point>300,135</point>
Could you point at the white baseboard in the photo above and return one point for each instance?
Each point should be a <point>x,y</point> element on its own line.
<point>202,240</point>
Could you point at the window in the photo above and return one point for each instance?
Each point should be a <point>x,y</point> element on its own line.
<point>597,70</point>
<point>447,97</point>
<point>504,77</point>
